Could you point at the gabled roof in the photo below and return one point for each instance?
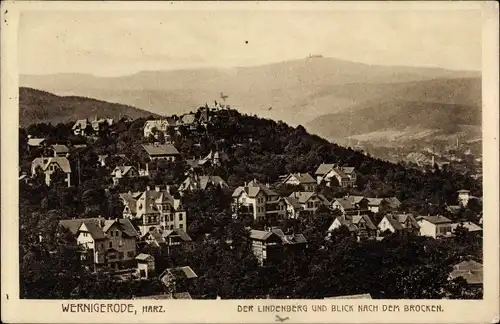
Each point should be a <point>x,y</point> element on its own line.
<point>160,149</point>
<point>73,225</point>
<point>471,271</point>
<point>94,229</point>
<point>324,168</point>
<point>468,225</point>
<point>61,161</point>
<point>303,196</point>
<point>355,199</point>
<point>393,202</point>
<point>179,273</point>
<point>188,119</point>
<point>160,124</point>
<point>347,170</point>
<point>292,202</point>
<point>80,123</point>
<point>253,188</point>
<point>124,224</point>
<point>290,239</point>
<point>177,232</point>
<point>352,222</point>
<point>399,221</point>
<point>130,200</point>
<point>143,257</point>
<point>375,201</point>
<point>123,168</point>
<point>436,219</point>
<point>346,203</point>
<point>302,178</point>
<point>262,235</point>
<point>35,141</point>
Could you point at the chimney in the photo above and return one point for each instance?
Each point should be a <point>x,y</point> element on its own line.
<point>148,188</point>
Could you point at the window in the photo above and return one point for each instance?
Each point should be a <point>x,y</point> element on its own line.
<point>120,255</point>
<point>180,216</point>
<point>181,226</point>
<point>171,217</point>
<point>130,254</point>
<point>110,245</point>
<point>162,219</point>
<point>117,233</point>
<point>171,227</point>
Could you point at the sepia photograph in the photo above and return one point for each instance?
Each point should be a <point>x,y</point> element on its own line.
<point>271,154</point>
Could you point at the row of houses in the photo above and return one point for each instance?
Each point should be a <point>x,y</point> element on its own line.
<point>190,121</point>
<point>262,201</point>
<point>437,226</point>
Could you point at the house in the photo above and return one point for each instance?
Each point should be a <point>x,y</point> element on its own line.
<point>463,197</point>
<point>345,205</point>
<point>159,125</point>
<point>359,202</point>
<point>80,127</point>
<point>49,165</point>
<point>123,171</point>
<point>345,176</point>
<point>360,226</point>
<point>301,179</point>
<point>214,158</point>
<point>196,182</point>
<point>258,199</point>
<point>97,124</point>
<point>376,205</point>
<point>161,151</point>
<point>178,279</point>
<point>60,150</point>
<point>270,244</point>
<point>104,244</point>
<point>154,209</point>
<point>168,238</point>
<point>470,226</point>
<point>145,265</point>
<point>472,272</point>
<point>435,226</point>
<point>290,206</point>
<point>102,159</point>
<point>189,120</point>
<point>310,201</point>
<point>392,203</point>
<point>399,223</point>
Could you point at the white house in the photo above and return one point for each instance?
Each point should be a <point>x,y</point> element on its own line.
<point>463,197</point>
<point>399,223</point>
<point>154,209</point>
<point>303,179</point>
<point>258,198</point>
<point>49,165</point>
<point>104,243</point>
<point>345,176</point>
<point>435,226</point>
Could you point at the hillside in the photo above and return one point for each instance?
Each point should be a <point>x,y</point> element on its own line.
<point>407,111</point>
<point>37,106</point>
<point>297,91</point>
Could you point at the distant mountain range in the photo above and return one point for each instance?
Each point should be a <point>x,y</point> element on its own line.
<point>310,92</point>
<point>37,106</point>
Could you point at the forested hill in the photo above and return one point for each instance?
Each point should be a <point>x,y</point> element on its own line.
<point>265,149</point>
<point>36,106</point>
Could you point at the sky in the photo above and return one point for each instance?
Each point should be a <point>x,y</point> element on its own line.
<point>115,43</point>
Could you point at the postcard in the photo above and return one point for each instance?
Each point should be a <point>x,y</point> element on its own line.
<point>250,162</point>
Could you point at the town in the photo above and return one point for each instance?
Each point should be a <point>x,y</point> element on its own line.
<point>214,204</point>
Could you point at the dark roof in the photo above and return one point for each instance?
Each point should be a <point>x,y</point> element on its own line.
<point>160,149</point>
<point>352,222</point>
<point>346,203</point>
<point>59,148</point>
<point>436,219</point>
<point>302,178</point>
<point>393,202</point>
<point>73,225</point>
<point>124,224</point>
<point>178,232</point>
<point>399,221</point>
<point>471,271</point>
